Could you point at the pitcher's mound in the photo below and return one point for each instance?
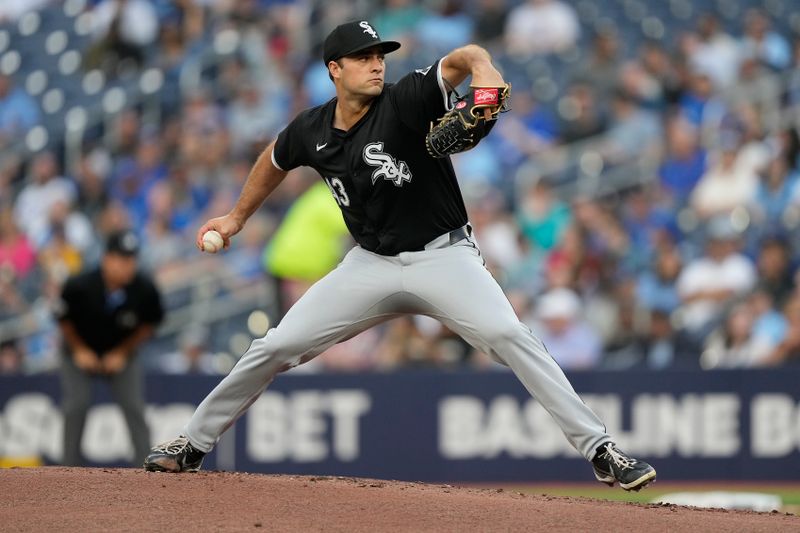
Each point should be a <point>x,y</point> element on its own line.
<point>93,499</point>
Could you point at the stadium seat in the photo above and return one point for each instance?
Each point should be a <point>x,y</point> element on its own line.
<point>53,100</point>
<point>93,82</point>
<point>56,42</point>
<point>10,62</point>
<point>73,8</point>
<point>36,82</point>
<point>29,23</point>
<point>69,62</point>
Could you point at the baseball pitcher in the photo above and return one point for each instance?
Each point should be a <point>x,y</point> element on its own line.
<point>388,169</point>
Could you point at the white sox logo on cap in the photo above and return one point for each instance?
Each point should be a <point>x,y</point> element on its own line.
<point>352,37</point>
<point>368,29</point>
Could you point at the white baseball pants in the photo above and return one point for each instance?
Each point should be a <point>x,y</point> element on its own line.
<point>446,282</point>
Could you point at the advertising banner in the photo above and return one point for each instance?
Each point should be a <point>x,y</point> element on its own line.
<point>444,426</point>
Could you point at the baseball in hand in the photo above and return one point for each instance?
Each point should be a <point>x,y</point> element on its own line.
<point>212,241</point>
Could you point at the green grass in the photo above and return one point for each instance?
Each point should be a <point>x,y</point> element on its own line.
<point>790,494</point>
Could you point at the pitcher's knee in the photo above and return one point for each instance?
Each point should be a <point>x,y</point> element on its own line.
<point>500,335</point>
<point>512,341</point>
<point>275,351</point>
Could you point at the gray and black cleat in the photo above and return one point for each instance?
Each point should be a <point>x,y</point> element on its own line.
<point>611,465</point>
<point>177,455</point>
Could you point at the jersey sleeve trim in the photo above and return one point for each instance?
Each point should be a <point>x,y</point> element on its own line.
<point>447,105</point>
<point>272,156</point>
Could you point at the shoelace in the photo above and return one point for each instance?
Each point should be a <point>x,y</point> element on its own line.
<point>172,447</point>
<point>618,458</point>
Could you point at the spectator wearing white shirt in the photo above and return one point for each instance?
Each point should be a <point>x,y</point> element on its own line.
<point>44,189</point>
<point>710,282</point>
<point>77,228</point>
<point>12,10</point>
<point>541,27</point>
<point>717,54</point>
<point>728,183</point>
<point>122,29</point>
<point>137,21</point>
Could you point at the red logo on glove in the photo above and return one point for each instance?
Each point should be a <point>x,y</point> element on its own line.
<point>486,96</point>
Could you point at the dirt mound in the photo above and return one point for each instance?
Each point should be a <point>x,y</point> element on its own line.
<point>84,499</point>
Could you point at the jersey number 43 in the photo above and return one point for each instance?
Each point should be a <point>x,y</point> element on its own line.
<point>337,189</point>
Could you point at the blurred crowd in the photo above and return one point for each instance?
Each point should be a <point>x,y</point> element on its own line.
<point>686,257</point>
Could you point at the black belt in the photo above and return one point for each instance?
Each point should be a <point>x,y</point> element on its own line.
<point>450,238</point>
<point>460,234</point>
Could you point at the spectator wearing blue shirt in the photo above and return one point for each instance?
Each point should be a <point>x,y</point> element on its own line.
<point>649,226</point>
<point>696,98</point>
<point>656,289</point>
<point>564,330</point>
<point>776,190</point>
<point>18,111</point>
<point>769,323</point>
<point>759,42</point>
<point>684,164</point>
<point>634,131</point>
<point>447,28</point>
<point>133,178</point>
<point>527,130</point>
<point>793,89</point>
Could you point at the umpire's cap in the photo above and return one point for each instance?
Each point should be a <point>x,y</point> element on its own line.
<point>352,37</point>
<point>124,242</point>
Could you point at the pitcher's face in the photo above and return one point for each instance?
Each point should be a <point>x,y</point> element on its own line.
<point>361,73</point>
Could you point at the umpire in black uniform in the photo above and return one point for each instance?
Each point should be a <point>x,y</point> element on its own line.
<point>104,315</point>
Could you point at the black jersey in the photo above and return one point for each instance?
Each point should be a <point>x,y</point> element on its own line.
<point>103,320</point>
<point>393,195</point>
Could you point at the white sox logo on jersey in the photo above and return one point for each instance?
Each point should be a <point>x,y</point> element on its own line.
<point>387,167</point>
<point>368,29</point>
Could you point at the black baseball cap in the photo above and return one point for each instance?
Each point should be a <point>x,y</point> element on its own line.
<point>123,242</point>
<point>352,37</point>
